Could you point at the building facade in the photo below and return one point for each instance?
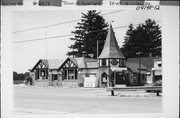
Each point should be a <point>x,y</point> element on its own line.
<point>75,69</point>
<point>112,65</point>
<point>45,70</point>
<point>136,75</point>
<point>157,69</point>
<point>110,69</point>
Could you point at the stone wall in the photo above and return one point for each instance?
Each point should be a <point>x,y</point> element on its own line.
<point>70,84</point>
<point>60,83</point>
<point>41,83</point>
<point>64,83</point>
<point>80,80</point>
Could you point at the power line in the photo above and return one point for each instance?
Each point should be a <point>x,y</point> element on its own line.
<point>71,34</point>
<point>42,38</point>
<point>45,26</point>
<point>60,23</point>
<point>46,39</point>
<point>112,12</point>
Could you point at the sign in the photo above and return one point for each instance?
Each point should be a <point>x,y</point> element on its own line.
<point>118,69</point>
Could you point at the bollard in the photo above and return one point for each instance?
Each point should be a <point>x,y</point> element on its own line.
<point>112,93</point>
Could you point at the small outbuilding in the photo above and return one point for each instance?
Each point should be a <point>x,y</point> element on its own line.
<point>46,70</point>
<point>75,69</point>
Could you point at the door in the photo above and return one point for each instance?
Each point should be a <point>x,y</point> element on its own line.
<point>42,75</point>
<point>104,79</point>
<point>120,78</point>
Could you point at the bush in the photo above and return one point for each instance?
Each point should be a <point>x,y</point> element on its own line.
<point>81,84</point>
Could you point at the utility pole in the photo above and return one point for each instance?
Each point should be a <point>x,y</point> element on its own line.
<point>97,48</point>
<point>139,78</point>
<point>46,37</point>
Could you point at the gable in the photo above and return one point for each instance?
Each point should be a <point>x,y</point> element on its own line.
<point>40,65</point>
<point>68,63</point>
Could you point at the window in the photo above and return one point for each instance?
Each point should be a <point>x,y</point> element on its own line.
<point>86,75</point>
<point>122,62</point>
<point>76,74</point>
<point>65,74</point>
<point>159,65</point>
<point>71,74</point>
<point>103,62</point>
<point>54,77</point>
<point>46,74</point>
<point>37,74</point>
<point>42,73</point>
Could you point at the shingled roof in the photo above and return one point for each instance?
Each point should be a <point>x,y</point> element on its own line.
<point>134,67</point>
<point>145,61</point>
<point>83,62</point>
<point>50,63</point>
<point>54,63</point>
<point>110,49</point>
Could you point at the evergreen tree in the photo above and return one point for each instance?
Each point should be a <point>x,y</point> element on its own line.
<point>91,28</point>
<point>145,38</point>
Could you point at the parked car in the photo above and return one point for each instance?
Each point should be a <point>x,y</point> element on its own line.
<point>156,83</point>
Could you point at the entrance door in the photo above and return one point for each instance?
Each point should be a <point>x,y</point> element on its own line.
<point>120,78</point>
<point>42,75</point>
<point>104,79</point>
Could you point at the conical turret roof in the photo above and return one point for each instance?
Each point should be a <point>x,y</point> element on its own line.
<point>110,49</point>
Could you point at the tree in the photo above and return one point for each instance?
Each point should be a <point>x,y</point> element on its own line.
<point>20,76</point>
<point>145,38</point>
<point>91,28</point>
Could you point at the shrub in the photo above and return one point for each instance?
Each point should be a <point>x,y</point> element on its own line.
<point>81,84</point>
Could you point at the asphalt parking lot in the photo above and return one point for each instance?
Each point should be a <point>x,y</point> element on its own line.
<point>44,100</point>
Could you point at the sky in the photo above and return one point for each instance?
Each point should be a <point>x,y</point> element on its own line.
<point>26,54</point>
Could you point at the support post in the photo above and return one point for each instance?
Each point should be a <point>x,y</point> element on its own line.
<point>139,77</point>
<point>153,78</point>
<point>97,48</point>
<point>112,93</point>
<point>108,79</point>
<point>139,68</point>
<point>114,78</point>
<point>157,92</point>
<point>100,79</point>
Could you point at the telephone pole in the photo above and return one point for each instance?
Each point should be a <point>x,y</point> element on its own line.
<point>139,78</point>
<point>46,38</point>
<point>97,49</point>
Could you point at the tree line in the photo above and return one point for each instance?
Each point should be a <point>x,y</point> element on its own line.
<point>92,28</point>
<point>20,76</point>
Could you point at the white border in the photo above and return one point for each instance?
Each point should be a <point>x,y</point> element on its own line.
<point>170,43</point>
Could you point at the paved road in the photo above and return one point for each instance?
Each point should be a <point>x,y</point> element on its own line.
<point>80,101</point>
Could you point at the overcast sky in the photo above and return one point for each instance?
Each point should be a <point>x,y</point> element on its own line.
<point>26,54</point>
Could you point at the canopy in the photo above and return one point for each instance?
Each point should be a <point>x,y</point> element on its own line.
<point>118,68</point>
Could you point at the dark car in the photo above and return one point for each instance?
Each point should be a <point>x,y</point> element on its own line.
<point>156,83</point>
